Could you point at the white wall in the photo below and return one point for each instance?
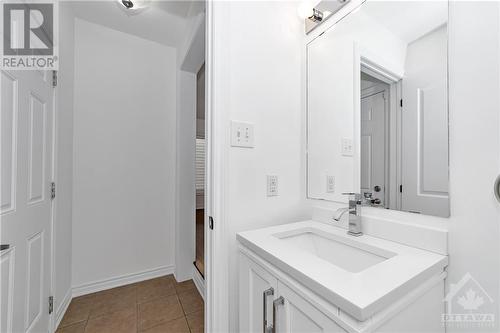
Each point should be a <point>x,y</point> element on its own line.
<point>64,162</point>
<point>124,155</point>
<point>258,77</point>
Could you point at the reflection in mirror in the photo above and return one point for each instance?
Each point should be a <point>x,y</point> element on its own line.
<point>378,107</point>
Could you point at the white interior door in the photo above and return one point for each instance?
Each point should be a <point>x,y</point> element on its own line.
<point>27,110</point>
<point>373,110</point>
<point>425,127</point>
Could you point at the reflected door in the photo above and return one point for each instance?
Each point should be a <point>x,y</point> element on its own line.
<point>373,110</point>
<point>425,126</point>
<point>26,123</point>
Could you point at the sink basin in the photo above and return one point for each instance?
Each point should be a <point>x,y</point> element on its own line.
<point>351,256</point>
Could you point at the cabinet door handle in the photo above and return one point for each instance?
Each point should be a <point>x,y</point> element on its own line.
<point>265,294</point>
<point>277,302</point>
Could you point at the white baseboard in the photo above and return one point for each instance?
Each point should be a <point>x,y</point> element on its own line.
<point>61,310</point>
<point>199,282</point>
<point>122,280</point>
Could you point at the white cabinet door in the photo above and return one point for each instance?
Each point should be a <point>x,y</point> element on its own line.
<point>257,290</point>
<point>296,315</point>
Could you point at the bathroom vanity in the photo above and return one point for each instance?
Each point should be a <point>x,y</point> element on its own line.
<point>313,277</point>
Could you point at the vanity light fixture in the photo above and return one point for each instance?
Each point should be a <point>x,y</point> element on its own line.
<point>315,16</point>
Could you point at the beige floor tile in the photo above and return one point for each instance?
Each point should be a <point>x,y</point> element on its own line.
<point>155,288</point>
<point>123,321</point>
<point>78,310</point>
<point>175,326</point>
<point>75,328</point>
<point>158,311</point>
<point>113,300</point>
<point>196,322</point>
<point>169,277</point>
<point>191,301</point>
<point>184,286</point>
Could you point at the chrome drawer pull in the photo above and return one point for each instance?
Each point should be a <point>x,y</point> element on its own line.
<point>265,294</point>
<point>277,302</point>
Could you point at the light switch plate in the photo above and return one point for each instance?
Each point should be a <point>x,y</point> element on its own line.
<point>272,186</point>
<point>242,134</point>
<point>347,148</point>
<point>330,184</point>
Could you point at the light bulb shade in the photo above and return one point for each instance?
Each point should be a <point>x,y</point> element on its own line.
<point>133,6</point>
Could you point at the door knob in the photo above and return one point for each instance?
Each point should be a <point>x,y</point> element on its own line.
<point>377,188</point>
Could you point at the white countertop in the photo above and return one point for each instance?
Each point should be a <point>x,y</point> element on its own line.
<point>359,294</point>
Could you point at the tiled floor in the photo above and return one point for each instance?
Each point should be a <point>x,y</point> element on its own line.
<point>159,305</point>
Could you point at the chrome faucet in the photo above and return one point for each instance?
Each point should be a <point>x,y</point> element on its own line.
<point>354,210</point>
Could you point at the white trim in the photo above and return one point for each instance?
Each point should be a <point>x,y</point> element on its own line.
<point>217,136</point>
<point>199,282</point>
<point>378,71</point>
<point>122,280</point>
<point>61,310</point>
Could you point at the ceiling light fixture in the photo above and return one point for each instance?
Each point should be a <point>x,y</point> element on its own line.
<point>128,4</point>
<point>133,6</point>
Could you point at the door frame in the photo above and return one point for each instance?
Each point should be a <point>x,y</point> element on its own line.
<point>55,178</point>
<point>217,140</point>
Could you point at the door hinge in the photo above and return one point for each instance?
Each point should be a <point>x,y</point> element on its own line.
<point>52,190</point>
<point>54,79</point>
<point>211,223</point>
<point>401,103</point>
<point>401,188</point>
<point>51,304</point>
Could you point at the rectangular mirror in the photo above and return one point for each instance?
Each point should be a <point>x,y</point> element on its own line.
<point>377,107</point>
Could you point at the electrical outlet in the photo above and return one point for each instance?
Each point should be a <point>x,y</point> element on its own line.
<point>330,184</point>
<point>242,134</point>
<point>347,148</point>
<point>272,186</point>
